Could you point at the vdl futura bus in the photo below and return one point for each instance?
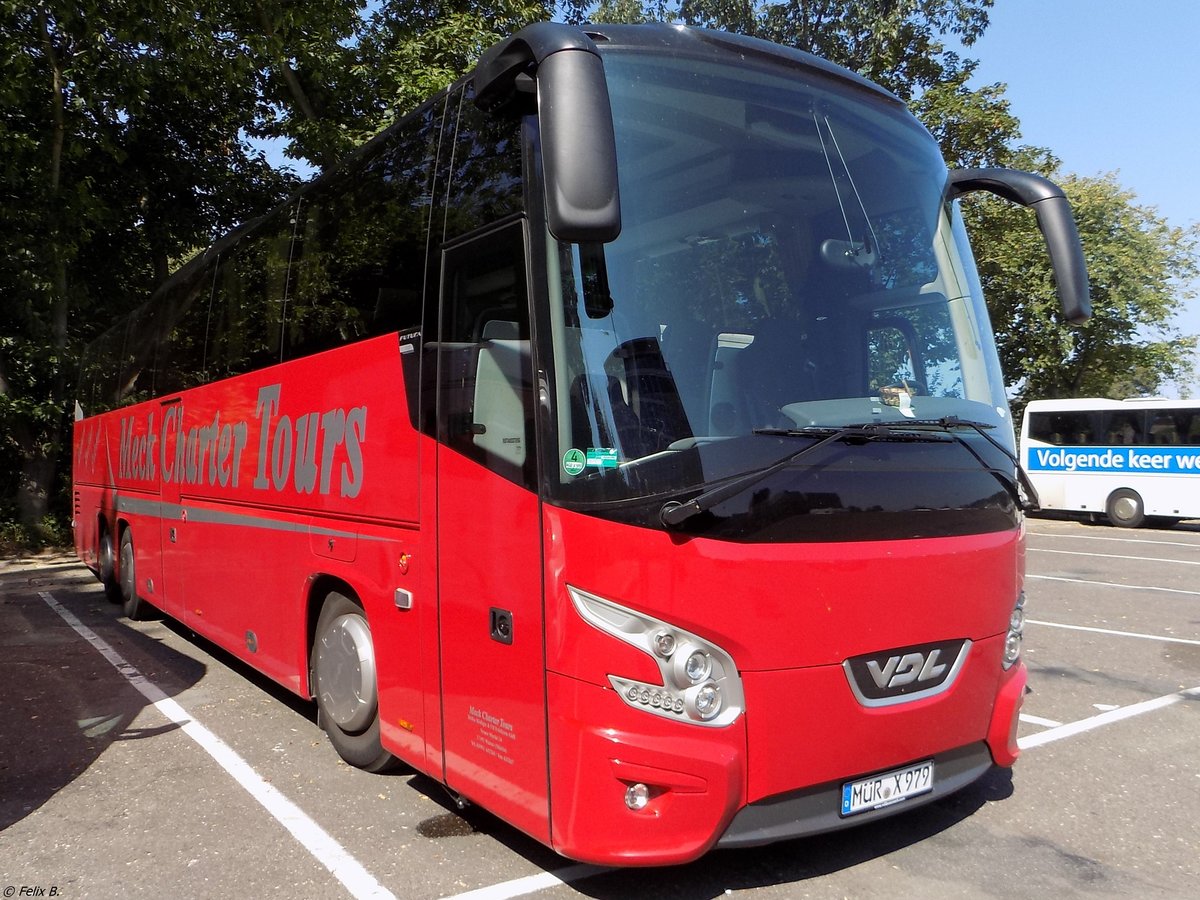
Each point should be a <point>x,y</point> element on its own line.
<point>1135,461</point>
<point>619,439</point>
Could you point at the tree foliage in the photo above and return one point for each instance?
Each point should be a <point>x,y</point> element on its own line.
<point>121,128</point>
<point>1139,269</point>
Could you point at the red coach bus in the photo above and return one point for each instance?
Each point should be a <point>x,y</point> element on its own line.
<point>619,439</point>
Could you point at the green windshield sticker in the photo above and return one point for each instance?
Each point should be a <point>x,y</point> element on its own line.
<point>602,457</point>
<point>574,461</point>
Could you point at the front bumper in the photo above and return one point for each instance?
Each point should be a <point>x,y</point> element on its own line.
<point>815,810</point>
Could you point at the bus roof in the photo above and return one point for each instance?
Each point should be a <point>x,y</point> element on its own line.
<point>1083,403</point>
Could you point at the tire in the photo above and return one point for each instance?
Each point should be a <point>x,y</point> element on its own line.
<point>345,686</point>
<point>135,607</point>
<point>106,557</point>
<point>1125,508</point>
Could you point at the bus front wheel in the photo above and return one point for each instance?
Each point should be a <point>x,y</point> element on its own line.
<point>344,683</point>
<point>1125,508</point>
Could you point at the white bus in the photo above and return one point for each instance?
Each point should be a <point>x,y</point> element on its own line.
<point>1131,460</point>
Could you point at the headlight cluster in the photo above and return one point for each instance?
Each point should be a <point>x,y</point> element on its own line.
<point>1016,630</point>
<point>700,683</point>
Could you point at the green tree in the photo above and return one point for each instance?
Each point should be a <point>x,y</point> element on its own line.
<point>1139,267</point>
<point>121,147</point>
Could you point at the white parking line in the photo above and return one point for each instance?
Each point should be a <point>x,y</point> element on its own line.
<point>315,839</point>
<point>531,884</point>
<point>1132,634</point>
<point>1113,584</point>
<point>1181,562</point>
<point>1038,720</point>
<point>1092,537</point>
<point>1106,718</point>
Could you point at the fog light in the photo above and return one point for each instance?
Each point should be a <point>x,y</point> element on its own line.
<point>637,796</point>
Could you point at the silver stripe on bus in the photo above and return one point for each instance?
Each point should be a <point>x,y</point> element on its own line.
<point>177,512</point>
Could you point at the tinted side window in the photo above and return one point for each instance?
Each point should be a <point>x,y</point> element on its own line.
<point>1064,428</point>
<point>487,177</point>
<point>362,245</point>
<point>1123,427</point>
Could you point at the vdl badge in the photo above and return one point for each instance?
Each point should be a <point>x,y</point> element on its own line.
<point>887,788</point>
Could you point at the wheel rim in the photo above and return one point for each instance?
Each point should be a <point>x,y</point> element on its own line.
<point>1126,508</point>
<point>345,669</point>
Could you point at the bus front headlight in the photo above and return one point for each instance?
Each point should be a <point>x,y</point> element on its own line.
<point>700,683</point>
<point>1015,636</point>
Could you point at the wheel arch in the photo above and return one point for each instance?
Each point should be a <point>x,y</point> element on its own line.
<point>320,586</point>
<point>116,526</point>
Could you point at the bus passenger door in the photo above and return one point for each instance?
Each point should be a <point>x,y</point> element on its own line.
<point>489,535</point>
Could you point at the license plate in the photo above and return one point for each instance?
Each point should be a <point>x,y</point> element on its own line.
<point>887,788</point>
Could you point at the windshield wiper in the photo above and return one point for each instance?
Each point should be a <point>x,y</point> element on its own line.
<point>675,513</point>
<point>1015,486</point>
<point>1027,503</point>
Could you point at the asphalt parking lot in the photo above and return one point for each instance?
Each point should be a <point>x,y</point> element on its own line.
<point>138,761</point>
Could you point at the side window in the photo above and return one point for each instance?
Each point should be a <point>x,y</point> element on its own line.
<point>342,262</point>
<point>487,175</point>
<point>1187,425</point>
<point>1063,428</point>
<point>1040,427</point>
<point>1122,427</point>
<point>892,356</point>
<point>247,300</point>
<point>183,357</point>
<point>485,367</point>
<point>361,245</point>
<point>914,346</point>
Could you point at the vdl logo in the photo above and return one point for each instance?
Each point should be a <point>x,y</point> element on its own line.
<point>906,673</point>
<point>901,670</point>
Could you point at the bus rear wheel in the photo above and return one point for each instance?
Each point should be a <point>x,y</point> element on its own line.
<point>1125,508</point>
<point>106,555</point>
<point>344,683</point>
<point>135,607</point>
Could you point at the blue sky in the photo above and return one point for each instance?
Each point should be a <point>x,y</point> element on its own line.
<point>1108,86</point>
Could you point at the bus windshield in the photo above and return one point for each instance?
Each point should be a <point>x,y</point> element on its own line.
<point>788,260</point>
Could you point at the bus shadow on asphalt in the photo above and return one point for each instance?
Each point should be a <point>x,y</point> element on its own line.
<point>64,704</point>
<point>302,707</point>
<point>797,861</point>
<point>719,871</point>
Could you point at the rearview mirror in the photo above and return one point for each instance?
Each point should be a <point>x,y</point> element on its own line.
<point>1055,220</point>
<point>579,153</point>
